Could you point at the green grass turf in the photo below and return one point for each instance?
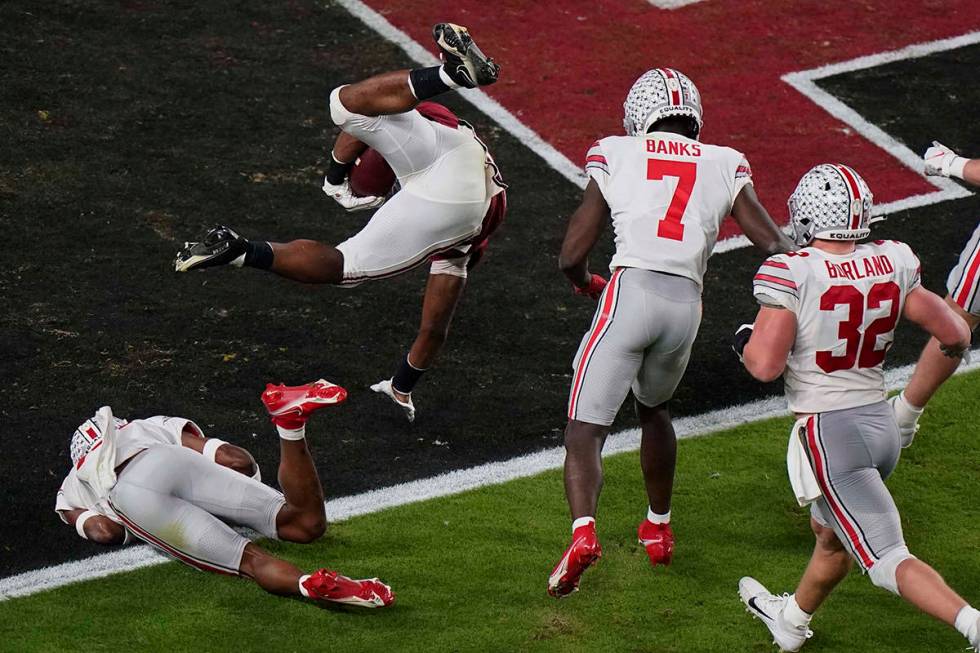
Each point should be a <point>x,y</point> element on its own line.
<point>470,570</point>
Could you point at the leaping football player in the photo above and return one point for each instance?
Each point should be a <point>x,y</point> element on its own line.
<point>827,318</point>
<point>667,195</point>
<point>963,286</point>
<point>450,198</point>
<point>161,481</point>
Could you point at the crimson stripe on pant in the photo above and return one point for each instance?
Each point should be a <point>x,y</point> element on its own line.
<point>602,323</point>
<point>861,550</point>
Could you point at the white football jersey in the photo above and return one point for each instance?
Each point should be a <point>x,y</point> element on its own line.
<point>667,196</point>
<point>846,306</point>
<point>131,438</point>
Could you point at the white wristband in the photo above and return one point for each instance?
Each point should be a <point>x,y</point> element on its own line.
<point>957,166</point>
<point>80,522</point>
<point>211,448</point>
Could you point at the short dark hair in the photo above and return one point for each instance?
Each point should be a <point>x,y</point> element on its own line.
<point>685,125</point>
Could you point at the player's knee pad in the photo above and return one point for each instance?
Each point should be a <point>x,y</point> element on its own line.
<point>456,267</point>
<point>883,573</point>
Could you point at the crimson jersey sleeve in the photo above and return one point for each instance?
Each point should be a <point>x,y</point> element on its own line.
<point>775,284</point>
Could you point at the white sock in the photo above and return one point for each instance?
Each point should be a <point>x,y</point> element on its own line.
<point>582,521</point>
<point>794,614</point>
<point>291,434</point>
<point>302,590</point>
<point>967,624</point>
<point>446,79</point>
<point>655,518</point>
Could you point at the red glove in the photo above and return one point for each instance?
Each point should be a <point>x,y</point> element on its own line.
<point>595,287</point>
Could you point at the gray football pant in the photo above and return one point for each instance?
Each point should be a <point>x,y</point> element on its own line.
<point>963,282</point>
<point>852,452</point>
<point>640,338</point>
<point>182,503</point>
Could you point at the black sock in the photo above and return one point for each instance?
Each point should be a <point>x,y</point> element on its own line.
<point>258,254</point>
<point>337,170</point>
<point>406,377</point>
<point>426,83</point>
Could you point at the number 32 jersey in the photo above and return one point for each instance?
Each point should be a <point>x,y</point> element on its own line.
<point>846,308</point>
<point>667,196</point>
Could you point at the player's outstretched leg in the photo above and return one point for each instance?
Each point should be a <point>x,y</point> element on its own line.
<point>442,293</point>
<point>583,483</point>
<point>658,457</point>
<point>463,66</point>
<point>302,518</point>
<point>306,261</point>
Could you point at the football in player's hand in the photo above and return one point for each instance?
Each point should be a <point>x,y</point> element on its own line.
<point>371,175</point>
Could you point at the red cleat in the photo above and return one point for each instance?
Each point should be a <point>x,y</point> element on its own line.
<point>581,553</point>
<point>326,585</point>
<point>290,406</point>
<point>658,540</point>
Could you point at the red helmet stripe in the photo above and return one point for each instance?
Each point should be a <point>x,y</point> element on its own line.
<point>675,96</point>
<point>855,192</point>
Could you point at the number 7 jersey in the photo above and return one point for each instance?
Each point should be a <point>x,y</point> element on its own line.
<point>846,307</point>
<point>667,196</point>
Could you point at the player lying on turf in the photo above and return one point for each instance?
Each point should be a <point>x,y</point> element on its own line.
<point>450,198</point>
<point>667,195</point>
<point>827,317</point>
<point>963,286</point>
<point>162,481</point>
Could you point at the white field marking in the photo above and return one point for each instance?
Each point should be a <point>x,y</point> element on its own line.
<point>673,4</point>
<point>476,97</point>
<point>805,82</point>
<point>802,81</point>
<point>450,483</point>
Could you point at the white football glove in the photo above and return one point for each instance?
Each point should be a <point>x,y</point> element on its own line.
<point>907,418</point>
<point>344,196</point>
<point>941,161</point>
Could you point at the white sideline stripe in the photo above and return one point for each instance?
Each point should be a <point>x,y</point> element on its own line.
<point>476,97</point>
<point>450,483</point>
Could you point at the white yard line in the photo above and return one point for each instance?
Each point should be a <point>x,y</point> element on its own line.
<point>136,557</point>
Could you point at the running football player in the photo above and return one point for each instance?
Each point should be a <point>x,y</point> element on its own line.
<point>160,480</point>
<point>667,195</point>
<point>827,317</point>
<point>450,198</point>
<point>963,286</point>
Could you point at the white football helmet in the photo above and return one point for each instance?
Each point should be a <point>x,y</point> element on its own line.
<point>85,436</point>
<point>831,202</point>
<point>658,94</point>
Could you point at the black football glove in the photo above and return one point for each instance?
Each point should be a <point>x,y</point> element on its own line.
<point>742,335</point>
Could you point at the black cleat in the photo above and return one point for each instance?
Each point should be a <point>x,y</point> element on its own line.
<point>220,246</point>
<point>463,61</point>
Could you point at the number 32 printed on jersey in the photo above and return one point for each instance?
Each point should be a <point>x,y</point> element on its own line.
<point>864,354</point>
<point>686,173</point>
